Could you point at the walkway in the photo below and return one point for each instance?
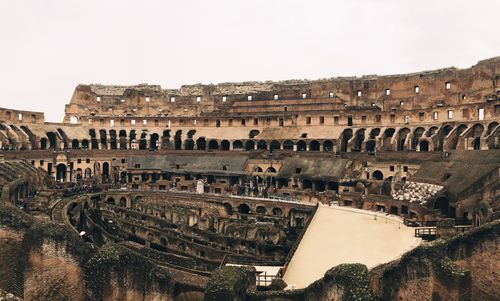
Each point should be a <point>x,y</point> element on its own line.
<point>345,235</point>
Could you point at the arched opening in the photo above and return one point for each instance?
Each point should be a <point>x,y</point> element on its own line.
<point>244,209</point>
<point>424,146</point>
<point>249,145</point>
<point>442,204</point>
<point>328,146</point>
<point>378,175</point>
<point>306,184</point>
<point>75,144</point>
<point>189,144</point>
<point>237,144</point>
<point>271,169</point>
<point>154,141</point>
<point>492,126</point>
<point>370,146</point>
<point>61,172</point>
<point>402,134</point>
<point>73,120</point>
<point>261,210</point>
<point>52,140</point>
<point>213,145</point>
<point>111,200</point>
<point>387,139</point>
<point>123,139</point>
<point>105,171</point>
<point>201,143</point>
<point>274,145</point>
<point>123,202</point>
<point>93,139</point>
<point>257,169</point>
<point>178,140</point>
<point>358,141</point>
<point>288,145</point>
<point>112,139</point>
<point>88,173</point>
<point>85,144</point>
<point>432,131</point>
<point>314,146</point>
<point>165,139</point>
<point>477,143</point>
<point>346,136</point>
<point>262,145</point>
<point>43,143</point>
<point>277,211</point>
<point>143,142</point>
<point>320,186</point>
<point>301,145</point>
<point>417,134</point>
<point>104,139</point>
<point>224,145</point>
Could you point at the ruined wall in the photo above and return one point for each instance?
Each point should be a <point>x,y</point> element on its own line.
<point>449,86</point>
<point>462,268</point>
<point>41,261</point>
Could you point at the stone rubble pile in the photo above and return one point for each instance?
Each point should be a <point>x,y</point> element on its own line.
<point>415,192</point>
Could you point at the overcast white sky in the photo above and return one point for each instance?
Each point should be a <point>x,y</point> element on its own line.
<point>48,47</point>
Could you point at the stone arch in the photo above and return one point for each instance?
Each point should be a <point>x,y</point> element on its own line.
<point>123,202</point>
<point>123,139</point>
<point>88,173</point>
<point>104,139</point>
<point>493,125</point>
<point>262,145</point>
<point>328,146</point>
<point>442,204</point>
<point>249,145</point>
<point>432,130</point>
<point>401,139</point>
<point>189,144</point>
<point>261,209</point>
<point>301,146</point>
<point>225,145</point>
<point>52,140</point>
<point>345,137</point>
<point>378,175</point>
<point>288,145</point>
<point>43,143</point>
<point>201,143</point>
<point>417,134</point>
<point>73,120</point>
<point>75,144</point>
<point>257,169</point>
<point>213,145</point>
<point>274,145</point>
<point>358,140</point>
<point>386,143</point>
<point>271,169</point>
<point>237,144</point>
<point>105,171</point>
<point>112,139</point>
<point>277,211</point>
<point>143,142</point>
<point>424,146</point>
<point>61,172</point>
<point>370,146</point>
<point>154,141</point>
<point>243,208</point>
<point>111,200</point>
<point>314,146</point>
<point>85,144</point>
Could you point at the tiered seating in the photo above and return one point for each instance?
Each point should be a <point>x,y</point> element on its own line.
<point>415,192</point>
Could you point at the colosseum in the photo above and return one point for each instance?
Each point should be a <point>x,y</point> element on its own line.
<point>347,188</point>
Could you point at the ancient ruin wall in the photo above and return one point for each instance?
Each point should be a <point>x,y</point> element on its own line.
<point>448,87</point>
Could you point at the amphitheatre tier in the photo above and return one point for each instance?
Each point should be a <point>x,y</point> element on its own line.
<point>144,193</point>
